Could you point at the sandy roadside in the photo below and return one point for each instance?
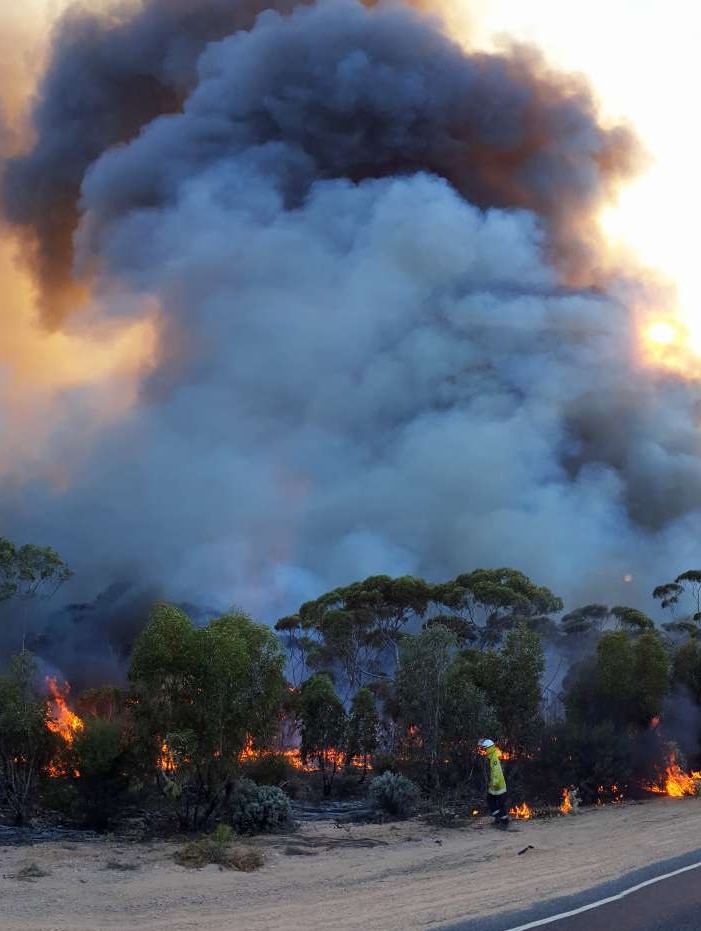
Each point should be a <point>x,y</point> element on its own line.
<point>384,877</point>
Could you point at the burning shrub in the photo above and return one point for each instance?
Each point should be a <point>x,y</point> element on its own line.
<point>255,809</point>
<point>394,794</point>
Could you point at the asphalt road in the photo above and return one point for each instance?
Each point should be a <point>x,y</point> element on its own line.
<point>647,900</point>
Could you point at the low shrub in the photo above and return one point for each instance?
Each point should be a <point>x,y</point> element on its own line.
<point>214,848</point>
<point>255,809</point>
<point>394,795</point>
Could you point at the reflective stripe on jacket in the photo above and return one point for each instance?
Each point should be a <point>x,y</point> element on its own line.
<point>497,783</point>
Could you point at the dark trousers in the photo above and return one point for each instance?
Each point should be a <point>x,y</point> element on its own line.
<point>498,807</point>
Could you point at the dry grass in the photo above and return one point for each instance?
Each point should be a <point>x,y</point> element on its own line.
<point>121,867</point>
<point>246,859</point>
<point>28,873</point>
<point>216,848</point>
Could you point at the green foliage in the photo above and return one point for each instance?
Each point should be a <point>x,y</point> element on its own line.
<point>615,675</point>
<point>687,668</point>
<point>100,758</point>
<point>463,629</point>
<point>322,723</point>
<point>421,692</point>
<point>625,683</point>
<point>354,633</point>
<point>651,672</point>
<point>270,769</point>
<point>468,715</point>
<point>510,680</point>
<point>25,742</point>
<point>631,619</point>
<point>354,628</point>
<point>202,692</point>
<point>363,727</point>
<point>98,747</point>
<point>394,795</point>
<point>594,618</point>
<point>670,596</point>
<point>584,620</point>
<point>504,598</point>
<point>30,571</point>
<point>255,809</point>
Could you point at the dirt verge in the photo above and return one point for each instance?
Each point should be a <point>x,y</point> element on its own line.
<point>390,877</point>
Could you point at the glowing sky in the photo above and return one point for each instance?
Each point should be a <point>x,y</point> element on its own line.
<point>639,55</point>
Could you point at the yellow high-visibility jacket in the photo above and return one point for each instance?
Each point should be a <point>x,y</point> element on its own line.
<point>497,783</point>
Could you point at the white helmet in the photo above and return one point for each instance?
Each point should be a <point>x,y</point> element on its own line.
<point>485,742</point>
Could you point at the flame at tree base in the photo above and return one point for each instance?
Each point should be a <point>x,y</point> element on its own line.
<point>675,783</point>
<point>168,760</point>
<point>62,721</point>
<point>522,812</point>
<point>332,757</point>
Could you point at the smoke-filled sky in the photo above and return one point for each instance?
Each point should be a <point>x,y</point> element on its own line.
<point>297,293</point>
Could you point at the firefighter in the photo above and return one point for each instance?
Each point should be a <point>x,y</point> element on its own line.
<point>496,789</point>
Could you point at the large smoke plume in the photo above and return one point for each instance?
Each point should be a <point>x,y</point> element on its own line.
<point>389,340</point>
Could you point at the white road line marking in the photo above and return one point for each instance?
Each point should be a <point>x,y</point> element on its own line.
<point>611,898</point>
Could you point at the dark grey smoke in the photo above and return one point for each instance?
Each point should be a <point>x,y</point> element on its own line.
<point>337,92</point>
<point>107,77</point>
<point>373,357</point>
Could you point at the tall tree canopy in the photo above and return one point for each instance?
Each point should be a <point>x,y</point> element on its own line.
<point>30,571</point>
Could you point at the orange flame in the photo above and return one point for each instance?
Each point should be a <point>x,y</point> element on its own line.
<point>62,720</point>
<point>612,794</point>
<point>674,782</point>
<point>166,759</point>
<point>521,811</point>
<point>168,763</point>
<point>248,752</point>
<point>566,806</point>
<point>294,757</point>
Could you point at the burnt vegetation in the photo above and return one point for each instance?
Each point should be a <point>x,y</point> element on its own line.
<point>379,690</point>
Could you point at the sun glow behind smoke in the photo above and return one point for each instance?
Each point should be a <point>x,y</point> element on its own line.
<point>39,368</point>
<point>654,221</point>
<point>42,373</point>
